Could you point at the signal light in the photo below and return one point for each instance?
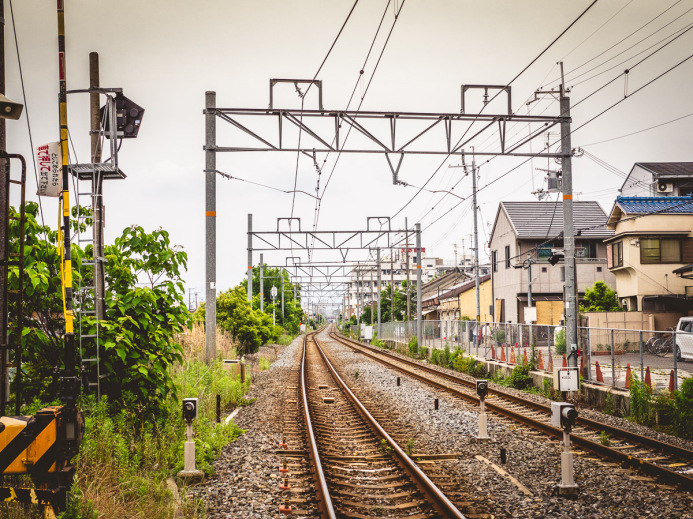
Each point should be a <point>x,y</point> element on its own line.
<point>128,118</point>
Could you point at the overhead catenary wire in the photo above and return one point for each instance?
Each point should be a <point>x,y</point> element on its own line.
<point>496,95</point>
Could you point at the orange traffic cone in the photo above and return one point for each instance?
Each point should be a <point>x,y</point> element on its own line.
<point>512,355</point>
<point>648,379</point>
<point>672,381</point>
<point>524,356</point>
<point>541,361</point>
<point>503,355</point>
<point>565,361</point>
<point>629,376</point>
<point>493,352</point>
<point>550,362</point>
<point>598,370</point>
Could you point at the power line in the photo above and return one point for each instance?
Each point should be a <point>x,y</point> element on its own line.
<point>638,131</point>
<point>303,98</point>
<point>496,95</point>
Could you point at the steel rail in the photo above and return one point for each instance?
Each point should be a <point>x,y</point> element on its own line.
<point>323,494</point>
<point>678,478</point>
<point>440,500</point>
<point>585,422</point>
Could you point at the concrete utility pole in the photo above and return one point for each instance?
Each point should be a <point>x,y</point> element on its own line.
<point>358,298</point>
<point>262,285</point>
<point>210,226</point>
<point>379,288</point>
<point>250,259</point>
<point>392,286</point>
<point>282,274</point>
<point>475,208</point>
<point>419,324</point>
<point>97,188</point>
<point>568,232</point>
<point>406,227</point>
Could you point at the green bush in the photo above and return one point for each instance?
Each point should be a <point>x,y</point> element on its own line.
<point>683,410</point>
<point>519,378</point>
<point>560,342</point>
<point>423,352</point>
<point>413,347</point>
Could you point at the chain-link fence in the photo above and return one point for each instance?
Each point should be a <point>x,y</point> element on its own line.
<point>609,356</point>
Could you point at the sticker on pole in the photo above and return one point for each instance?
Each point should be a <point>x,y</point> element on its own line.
<point>50,170</point>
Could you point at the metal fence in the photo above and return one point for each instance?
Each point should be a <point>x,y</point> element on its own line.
<point>613,356</point>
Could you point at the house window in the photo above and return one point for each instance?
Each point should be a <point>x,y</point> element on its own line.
<point>617,254</point>
<point>494,260</point>
<point>544,269</point>
<point>660,250</point>
<point>507,256</point>
<point>599,269</point>
<point>562,273</point>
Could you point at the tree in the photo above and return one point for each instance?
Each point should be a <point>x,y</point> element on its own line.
<point>600,298</point>
<point>137,334</point>
<point>293,313</point>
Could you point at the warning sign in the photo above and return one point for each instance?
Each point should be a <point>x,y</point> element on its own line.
<point>49,164</point>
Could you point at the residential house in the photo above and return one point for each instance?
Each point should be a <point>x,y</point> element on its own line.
<point>524,230</point>
<point>653,242</point>
<point>659,179</point>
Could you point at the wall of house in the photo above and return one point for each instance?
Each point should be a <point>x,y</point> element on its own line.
<point>467,302</point>
<point>638,183</point>
<point>505,280</point>
<point>634,279</point>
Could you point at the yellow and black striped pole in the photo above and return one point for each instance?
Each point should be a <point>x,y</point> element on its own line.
<point>67,262</point>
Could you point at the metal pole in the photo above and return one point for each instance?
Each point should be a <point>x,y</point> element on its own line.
<point>568,234</point>
<point>642,361</point>
<point>392,285</point>
<point>476,245</point>
<point>97,188</point>
<point>250,259</point>
<point>358,298</point>
<point>613,361</point>
<point>262,285</point>
<point>406,227</point>
<point>379,288</point>
<point>676,363</point>
<point>419,324</point>
<point>282,273</point>
<point>210,226</point>
<point>4,231</point>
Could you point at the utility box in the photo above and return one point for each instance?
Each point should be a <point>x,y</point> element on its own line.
<point>566,379</point>
<point>368,333</point>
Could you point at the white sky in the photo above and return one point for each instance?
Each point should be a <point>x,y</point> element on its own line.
<point>166,53</point>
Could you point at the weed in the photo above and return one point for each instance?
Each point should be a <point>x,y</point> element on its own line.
<point>519,378</point>
<point>384,447</point>
<point>413,347</point>
<point>683,410</point>
<point>640,403</point>
<point>264,364</point>
<point>604,439</point>
<point>609,407</point>
<point>356,374</point>
<point>410,446</point>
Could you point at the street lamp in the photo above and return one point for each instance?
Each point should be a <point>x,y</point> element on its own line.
<point>274,306</point>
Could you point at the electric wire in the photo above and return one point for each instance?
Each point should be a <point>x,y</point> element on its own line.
<point>637,132</point>
<point>26,112</point>
<point>496,95</point>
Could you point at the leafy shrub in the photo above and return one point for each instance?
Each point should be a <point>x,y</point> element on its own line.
<point>683,410</point>
<point>413,347</point>
<point>423,352</point>
<point>609,407</point>
<point>285,340</point>
<point>519,378</point>
<point>560,342</point>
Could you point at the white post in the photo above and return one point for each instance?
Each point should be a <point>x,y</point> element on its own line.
<point>483,432</point>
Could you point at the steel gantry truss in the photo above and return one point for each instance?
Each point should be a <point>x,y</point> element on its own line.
<point>390,133</point>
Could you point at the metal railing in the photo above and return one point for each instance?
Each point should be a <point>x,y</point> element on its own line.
<point>611,356</point>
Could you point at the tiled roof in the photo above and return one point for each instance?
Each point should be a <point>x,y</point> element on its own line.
<point>667,169</point>
<point>655,204</point>
<point>537,220</point>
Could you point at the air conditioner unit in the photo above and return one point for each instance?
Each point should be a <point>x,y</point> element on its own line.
<point>663,187</point>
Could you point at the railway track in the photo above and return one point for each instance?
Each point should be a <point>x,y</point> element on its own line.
<point>359,470</point>
<point>661,459</point>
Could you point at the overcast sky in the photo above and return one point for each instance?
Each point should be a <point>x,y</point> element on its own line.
<point>166,53</point>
